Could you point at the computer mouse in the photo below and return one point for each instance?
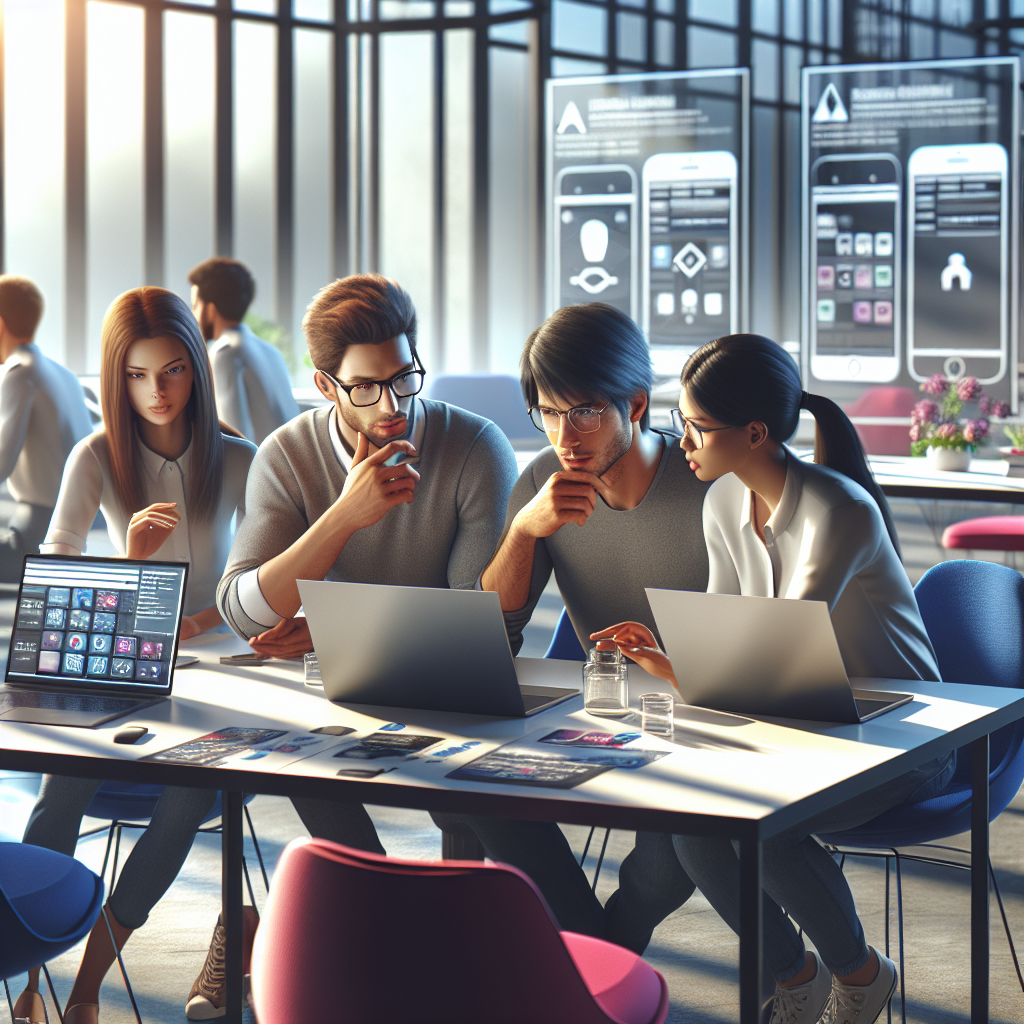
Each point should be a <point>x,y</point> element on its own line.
<point>131,734</point>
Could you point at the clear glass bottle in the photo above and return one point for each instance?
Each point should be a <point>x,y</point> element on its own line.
<point>605,683</point>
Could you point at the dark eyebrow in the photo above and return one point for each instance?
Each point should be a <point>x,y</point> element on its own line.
<point>377,380</point>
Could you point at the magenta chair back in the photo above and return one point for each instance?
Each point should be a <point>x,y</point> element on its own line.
<point>349,936</point>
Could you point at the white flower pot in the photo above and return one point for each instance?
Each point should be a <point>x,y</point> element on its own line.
<point>948,459</point>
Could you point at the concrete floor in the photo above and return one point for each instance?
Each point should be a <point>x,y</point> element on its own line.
<point>695,952</point>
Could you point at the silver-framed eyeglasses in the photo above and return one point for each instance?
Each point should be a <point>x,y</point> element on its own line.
<point>687,428</point>
<point>402,385</point>
<point>584,419</point>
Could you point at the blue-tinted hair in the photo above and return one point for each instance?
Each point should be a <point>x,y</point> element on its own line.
<point>588,353</point>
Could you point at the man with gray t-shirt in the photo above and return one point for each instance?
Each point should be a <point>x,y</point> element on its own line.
<point>42,417</point>
<point>611,507</point>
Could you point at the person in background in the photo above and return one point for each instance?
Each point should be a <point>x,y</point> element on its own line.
<point>42,417</point>
<point>170,483</point>
<point>252,382</point>
<point>777,526</point>
<point>610,507</point>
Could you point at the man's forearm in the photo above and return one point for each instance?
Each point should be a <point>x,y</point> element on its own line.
<point>309,558</point>
<point>511,570</point>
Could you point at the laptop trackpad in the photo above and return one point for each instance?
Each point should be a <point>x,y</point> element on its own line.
<point>51,716</point>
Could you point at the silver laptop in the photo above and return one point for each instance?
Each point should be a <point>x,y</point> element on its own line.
<point>761,656</point>
<point>418,647</point>
<point>94,639</point>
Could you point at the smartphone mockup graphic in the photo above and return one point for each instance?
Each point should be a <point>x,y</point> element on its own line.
<point>596,236</point>
<point>958,239</point>
<point>855,268</point>
<point>690,291</point>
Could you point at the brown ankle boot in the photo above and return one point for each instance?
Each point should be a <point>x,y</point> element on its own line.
<point>208,996</point>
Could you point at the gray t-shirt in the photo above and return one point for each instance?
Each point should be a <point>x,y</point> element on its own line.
<point>444,538</point>
<point>602,568</point>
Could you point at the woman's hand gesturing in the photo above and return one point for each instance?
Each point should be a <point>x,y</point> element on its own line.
<point>637,642</point>
<point>148,529</point>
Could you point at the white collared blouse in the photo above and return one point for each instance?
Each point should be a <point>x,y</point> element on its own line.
<point>825,541</point>
<point>87,486</point>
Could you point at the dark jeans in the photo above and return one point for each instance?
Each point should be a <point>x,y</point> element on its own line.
<point>652,884</point>
<point>800,875</point>
<point>156,857</point>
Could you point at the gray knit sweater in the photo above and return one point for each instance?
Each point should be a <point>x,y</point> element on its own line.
<point>444,538</point>
<point>602,568</point>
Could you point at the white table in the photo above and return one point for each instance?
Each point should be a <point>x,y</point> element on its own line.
<point>985,480</point>
<point>727,775</point>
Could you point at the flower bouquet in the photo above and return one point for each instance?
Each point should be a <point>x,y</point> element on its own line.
<point>938,429</point>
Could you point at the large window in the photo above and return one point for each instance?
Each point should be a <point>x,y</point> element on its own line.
<point>315,138</point>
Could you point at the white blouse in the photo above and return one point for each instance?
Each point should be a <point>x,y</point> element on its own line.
<point>88,486</point>
<point>826,541</point>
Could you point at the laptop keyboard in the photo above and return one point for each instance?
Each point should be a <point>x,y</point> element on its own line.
<point>87,702</point>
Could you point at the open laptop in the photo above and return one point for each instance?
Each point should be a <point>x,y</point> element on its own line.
<point>418,647</point>
<point>93,639</point>
<point>761,656</point>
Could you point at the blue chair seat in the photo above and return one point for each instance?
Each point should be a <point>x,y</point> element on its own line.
<point>135,801</point>
<point>48,903</point>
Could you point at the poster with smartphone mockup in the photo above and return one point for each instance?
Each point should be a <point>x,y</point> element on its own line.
<point>647,202</point>
<point>911,181</point>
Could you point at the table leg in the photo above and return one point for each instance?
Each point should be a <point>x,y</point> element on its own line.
<point>461,845</point>
<point>979,880</point>
<point>231,902</point>
<point>751,929</point>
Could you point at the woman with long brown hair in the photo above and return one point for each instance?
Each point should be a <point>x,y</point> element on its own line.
<point>171,485</point>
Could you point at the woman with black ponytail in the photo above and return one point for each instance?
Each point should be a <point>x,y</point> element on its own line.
<point>777,526</point>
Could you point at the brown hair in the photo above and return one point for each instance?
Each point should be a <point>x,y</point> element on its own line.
<point>158,313</point>
<point>226,283</point>
<point>21,305</point>
<point>364,309</point>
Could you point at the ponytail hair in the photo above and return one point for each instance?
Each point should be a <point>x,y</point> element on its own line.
<point>746,378</point>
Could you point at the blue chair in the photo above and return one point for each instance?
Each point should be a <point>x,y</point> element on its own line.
<point>974,614</point>
<point>496,396</point>
<point>48,903</point>
<point>565,646</point>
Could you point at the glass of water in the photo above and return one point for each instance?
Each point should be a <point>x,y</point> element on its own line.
<point>656,714</point>
<point>605,684</point>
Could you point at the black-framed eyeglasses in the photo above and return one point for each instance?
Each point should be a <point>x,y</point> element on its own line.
<point>402,385</point>
<point>687,428</point>
<point>584,419</point>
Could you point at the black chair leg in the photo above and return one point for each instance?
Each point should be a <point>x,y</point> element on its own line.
<point>53,996</point>
<point>1006,924</point>
<point>124,972</point>
<point>248,881</point>
<point>106,852</point>
<point>10,1002</point>
<point>256,846</point>
<point>117,849</point>
<point>586,845</point>
<point>600,860</point>
<point>888,914</point>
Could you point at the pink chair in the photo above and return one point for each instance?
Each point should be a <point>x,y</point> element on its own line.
<point>348,936</point>
<point>993,533</point>
<point>884,400</point>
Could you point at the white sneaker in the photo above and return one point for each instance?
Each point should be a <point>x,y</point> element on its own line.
<point>862,1004</point>
<point>803,1004</point>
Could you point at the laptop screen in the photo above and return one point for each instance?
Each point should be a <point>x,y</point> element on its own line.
<point>99,624</point>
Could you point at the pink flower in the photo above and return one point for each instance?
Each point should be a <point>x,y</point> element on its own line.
<point>936,385</point>
<point>948,431</point>
<point>998,409</point>
<point>968,389</point>
<point>926,411</point>
<point>975,430</point>
<point>915,432</point>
